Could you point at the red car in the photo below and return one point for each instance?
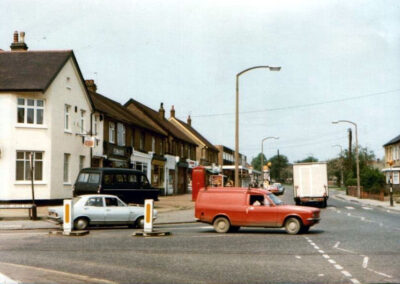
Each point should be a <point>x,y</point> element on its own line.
<point>230,208</point>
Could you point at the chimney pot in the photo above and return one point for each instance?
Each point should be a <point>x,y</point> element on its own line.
<point>189,121</point>
<point>172,111</point>
<point>22,37</point>
<point>90,85</point>
<point>15,36</point>
<point>162,111</point>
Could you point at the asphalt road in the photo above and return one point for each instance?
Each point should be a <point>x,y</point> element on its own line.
<point>352,244</point>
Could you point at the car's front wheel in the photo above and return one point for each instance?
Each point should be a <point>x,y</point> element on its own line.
<point>221,225</point>
<point>292,226</point>
<point>81,223</point>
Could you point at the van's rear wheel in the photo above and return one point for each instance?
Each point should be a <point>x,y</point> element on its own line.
<point>221,225</point>
<point>292,226</point>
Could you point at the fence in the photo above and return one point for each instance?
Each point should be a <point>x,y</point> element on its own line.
<point>352,191</point>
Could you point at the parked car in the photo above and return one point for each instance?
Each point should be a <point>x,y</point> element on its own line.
<point>281,188</point>
<point>129,185</point>
<point>273,189</point>
<point>100,209</point>
<point>230,208</point>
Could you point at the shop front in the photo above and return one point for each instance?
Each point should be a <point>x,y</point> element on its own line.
<point>170,174</point>
<point>182,183</point>
<point>158,173</point>
<point>191,164</point>
<point>142,162</point>
<point>116,156</point>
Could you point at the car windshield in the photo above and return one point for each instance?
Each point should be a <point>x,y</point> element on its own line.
<point>275,199</point>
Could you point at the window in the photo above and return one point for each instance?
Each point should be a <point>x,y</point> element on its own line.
<point>82,122</point>
<point>95,201</point>
<point>30,111</point>
<point>83,177</point>
<point>140,166</point>
<point>120,134</point>
<point>23,165</point>
<point>66,168</point>
<point>81,162</point>
<point>111,201</point>
<point>111,132</point>
<point>94,178</point>
<point>67,109</point>
<point>153,144</point>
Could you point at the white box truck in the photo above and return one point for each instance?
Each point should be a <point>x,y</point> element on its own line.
<point>310,183</point>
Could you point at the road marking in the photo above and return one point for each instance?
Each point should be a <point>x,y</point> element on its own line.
<point>362,218</point>
<point>298,256</point>
<point>337,266</point>
<point>6,280</point>
<point>336,245</point>
<point>349,207</point>
<point>321,251</point>
<point>67,274</point>
<point>380,273</point>
<point>346,273</point>
<point>355,281</point>
<point>316,247</point>
<point>326,256</point>
<point>338,211</point>
<point>388,211</point>
<point>367,208</point>
<point>348,214</point>
<point>332,261</point>
<point>365,262</point>
<point>321,275</point>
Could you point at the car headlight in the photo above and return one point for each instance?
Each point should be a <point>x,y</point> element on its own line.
<point>315,214</point>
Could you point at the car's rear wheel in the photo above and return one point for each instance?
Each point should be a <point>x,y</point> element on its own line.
<point>81,223</point>
<point>221,225</point>
<point>139,223</point>
<point>292,226</point>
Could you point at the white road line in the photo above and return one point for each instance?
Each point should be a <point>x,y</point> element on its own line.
<point>326,256</point>
<point>365,262</point>
<point>321,251</point>
<point>355,281</point>
<point>362,218</point>
<point>6,280</point>
<point>380,273</point>
<point>316,247</point>
<point>332,261</point>
<point>346,273</point>
<point>298,256</point>
<point>321,275</point>
<point>348,214</point>
<point>67,274</point>
<point>338,211</point>
<point>367,208</point>
<point>349,207</point>
<point>336,245</point>
<point>337,266</point>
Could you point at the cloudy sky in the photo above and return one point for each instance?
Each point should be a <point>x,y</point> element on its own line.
<point>339,59</point>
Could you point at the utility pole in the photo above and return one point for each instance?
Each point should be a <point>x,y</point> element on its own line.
<point>350,152</point>
<point>279,167</point>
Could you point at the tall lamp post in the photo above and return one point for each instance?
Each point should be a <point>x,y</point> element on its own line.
<point>341,164</point>
<point>357,159</point>
<point>237,117</point>
<point>262,149</point>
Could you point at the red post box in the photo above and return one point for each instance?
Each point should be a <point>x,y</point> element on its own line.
<point>198,180</point>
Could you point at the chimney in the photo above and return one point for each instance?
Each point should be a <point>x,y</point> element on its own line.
<point>172,112</point>
<point>189,121</point>
<point>91,86</point>
<point>19,44</point>
<point>161,111</point>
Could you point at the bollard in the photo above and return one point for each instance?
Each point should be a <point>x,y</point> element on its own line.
<point>68,225</point>
<point>148,215</point>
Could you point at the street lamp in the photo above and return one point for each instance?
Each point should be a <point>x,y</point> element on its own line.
<point>357,159</point>
<point>341,166</point>
<point>237,117</point>
<point>262,149</point>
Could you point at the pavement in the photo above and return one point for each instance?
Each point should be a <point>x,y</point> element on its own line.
<point>171,210</point>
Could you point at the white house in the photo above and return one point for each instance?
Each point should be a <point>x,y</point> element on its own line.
<point>45,111</point>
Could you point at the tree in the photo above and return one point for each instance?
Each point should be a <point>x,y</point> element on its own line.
<point>309,159</point>
<point>278,165</point>
<point>256,162</point>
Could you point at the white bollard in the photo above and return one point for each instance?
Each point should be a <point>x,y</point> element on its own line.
<point>148,215</point>
<point>68,224</point>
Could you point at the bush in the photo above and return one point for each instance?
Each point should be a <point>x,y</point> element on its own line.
<point>372,179</point>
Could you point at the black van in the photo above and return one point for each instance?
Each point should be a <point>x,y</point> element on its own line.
<point>129,185</point>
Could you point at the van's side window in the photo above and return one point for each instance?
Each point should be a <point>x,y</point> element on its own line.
<point>119,178</point>
<point>132,179</point>
<point>83,177</point>
<point>108,179</point>
<point>256,200</point>
<point>94,178</point>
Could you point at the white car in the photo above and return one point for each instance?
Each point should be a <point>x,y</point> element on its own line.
<point>101,209</point>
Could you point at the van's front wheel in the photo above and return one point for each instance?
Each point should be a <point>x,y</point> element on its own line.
<point>221,225</point>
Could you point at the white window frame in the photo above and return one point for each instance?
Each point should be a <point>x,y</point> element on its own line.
<point>66,171</point>
<point>121,134</point>
<point>82,122</point>
<point>26,164</point>
<point>67,118</point>
<point>111,132</point>
<point>35,108</point>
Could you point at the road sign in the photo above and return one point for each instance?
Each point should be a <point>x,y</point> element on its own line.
<point>68,216</point>
<point>148,215</point>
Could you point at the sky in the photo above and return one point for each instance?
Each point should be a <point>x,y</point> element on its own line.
<point>340,61</point>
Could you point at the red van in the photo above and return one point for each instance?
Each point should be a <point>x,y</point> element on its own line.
<point>230,208</point>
